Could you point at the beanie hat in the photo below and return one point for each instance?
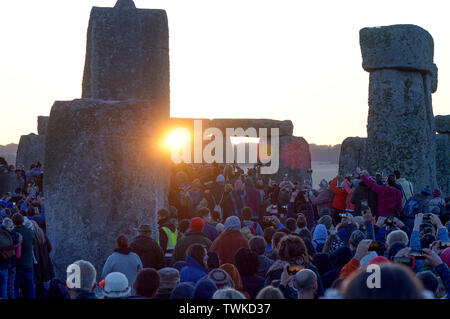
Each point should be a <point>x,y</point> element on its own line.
<point>169,278</point>
<point>426,190</point>
<point>379,260</point>
<point>220,227</point>
<point>324,183</point>
<point>221,278</point>
<point>220,178</point>
<point>197,224</point>
<point>116,285</point>
<point>356,237</point>
<point>232,223</point>
<point>183,291</point>
<point>445,256</point>
<point>436,193</point>
<point>205,289</point>
<point>320,235</point>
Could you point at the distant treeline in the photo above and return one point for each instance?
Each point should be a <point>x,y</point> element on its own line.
<point>8,152</point>
<point>325,153</point>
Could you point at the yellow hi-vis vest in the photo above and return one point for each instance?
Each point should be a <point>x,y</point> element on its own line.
<point>171,240</point>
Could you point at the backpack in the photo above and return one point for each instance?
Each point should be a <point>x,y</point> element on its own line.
<point>413,207</point>
<point>217,207</point>
<point>7,248</point>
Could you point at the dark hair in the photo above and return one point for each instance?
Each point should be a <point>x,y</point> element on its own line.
<point>203,212</point>
<point>277,238</point>
<point>122,241</point>
<point>301,221</point>
<point>391,180</point>
<point>213,260</point>
<point>17,219</point>
<point>257,244</point>
<point>163,212</point>
<point>184,225</point>
<point>268,234</point>
<point>246,262</point>
<point>305,233</point>
<point>291,224</point>
<point>292,247</point>
<point>147,282</point>
<point>197,251</point>
<point>397,174</point>
<point>246,213</point>
<point>429,280</point>
<point>396,282</point>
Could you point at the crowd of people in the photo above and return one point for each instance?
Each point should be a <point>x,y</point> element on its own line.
<point>227,234</point>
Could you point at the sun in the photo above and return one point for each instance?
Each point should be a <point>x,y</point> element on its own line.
<point>178,138</point>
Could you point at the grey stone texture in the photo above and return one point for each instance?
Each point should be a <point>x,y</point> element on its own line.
<point>443,163</point>
<point>400,126</point>
<point>104,176</point>
<point>442,124</point>
<point>42,124</point>
<point>30,150</point>
<point>401,46</point>
<point>352,155</point>
<point>8,182</point>
<point>127,55</point>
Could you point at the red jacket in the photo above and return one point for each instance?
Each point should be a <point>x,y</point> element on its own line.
<point>389,198</point>
<point>227,244</point>
<point>340,195</point>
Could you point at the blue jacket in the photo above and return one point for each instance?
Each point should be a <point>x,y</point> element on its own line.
<point>345,232</point>
<point>193,271</point>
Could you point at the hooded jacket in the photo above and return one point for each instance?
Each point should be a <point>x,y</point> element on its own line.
<point>193,271</point>
<point>340,195</point>
<point>227,244</point>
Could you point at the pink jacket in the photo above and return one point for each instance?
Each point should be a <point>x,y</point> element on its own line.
<point>349,191</point>
<point>389,198</point>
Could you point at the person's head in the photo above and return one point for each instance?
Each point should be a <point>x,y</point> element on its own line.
<point>305,233</point>
<point>184,225</point>
<point>246,213</point>
<point>426,191</point>
<point>395,282</point>
<point>257,244</point>
<point>436,193</point>
<point>221,278</point>
<point>268,234</point>
<point>17,219</point>
<point>212,260</point>
<point>429,281</point>
<point>228,293</point>
<point>183,291</point>
<point>232,223</point>
<point>147,282</point>
<point>122,242</point>
<point>116,286</point>
<point>198,252</point>
<point>87,278</point>
<point>204,213</point>
<point>306,284</point>
<point>276,239</point>
<point>394,249</point>
<point>228,188</point>
<point>291,224</point>
<point>238,184</point>
<point>355,239</point>
<point>246,232</point>
<point>391,180</point>
<point>397,236</point>
<point>246,262</point>
<point>293,249</point>
<point>169,278</point>
<point>397,174</point>
<point>205,289</point>
<point>197,224</point>
<point>301,221</point>
<point>270,292</point>
<point>323,183</point>
<point>220,228</point>
<point>163,214</point>
<point>8,224</point>
<point>144,230</point>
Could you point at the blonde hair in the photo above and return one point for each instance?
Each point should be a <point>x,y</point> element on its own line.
<point>397,236</point>
<point>247,233</point>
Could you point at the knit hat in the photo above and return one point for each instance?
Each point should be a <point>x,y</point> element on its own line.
<point>356,237</point>
<point>445,256</point>
<point>379,260</point>
<point>220,227</point>
<point>8,224</point>
<point>324,183</point>
<point>196,224</point>
<point>232,223</point>
<point>320,235</point>
<point>169,278</point>
<point>326,220</point>
<point>336,244</point>
<point>116,286</point>
<point>183,291</point>
<point>220,178</point>
<point>359,220</point>
<point>205,289</point>
<point>221,278</point>
<point>426,190</point>
<point>436,193</point>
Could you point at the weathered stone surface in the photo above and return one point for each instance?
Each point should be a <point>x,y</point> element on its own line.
<point>125,4</point>
<point>104,175</point>
<point>443,163</point>
<point>401,126</point>
<point>42,124</point>
<point>402,46</point>
<point>353,155</point>
<point>30,150</point>
<point>442,124</point>
<point>434,78</point>
<point>127,55</point>
<point>8,182</point>
<point>295,159</point>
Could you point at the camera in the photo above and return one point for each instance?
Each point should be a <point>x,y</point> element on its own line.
<point>292,270</point>
<point>404,260</point>
<point>342,215</point>
<point>417,254</point>
<point>374,245</point>
<point>389,221</point>
<point>444,244</point>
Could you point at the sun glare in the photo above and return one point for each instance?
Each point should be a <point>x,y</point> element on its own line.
<point>178,138</point>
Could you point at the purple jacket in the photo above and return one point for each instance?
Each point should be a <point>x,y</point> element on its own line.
<point>253,200</point>
<point>389,198</point>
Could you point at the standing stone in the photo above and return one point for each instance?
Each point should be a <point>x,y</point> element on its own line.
<point>104,176</point>
<point>127,55</point>
<point>31,150</point>
<point>352,155</point>
<point>401,125</point>
<point>8,182</point>
<point>42,124</point>
<point>443,163</point>
<point>295,159</point>
<point>443,124</point>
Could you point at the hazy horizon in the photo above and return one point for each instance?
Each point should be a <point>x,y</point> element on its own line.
<point>235,59</point>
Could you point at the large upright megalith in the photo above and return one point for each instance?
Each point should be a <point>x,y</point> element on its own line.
<point>105,173</point>
<point>401,129</point>
<point>31,147</point>
<point>352,155</point>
